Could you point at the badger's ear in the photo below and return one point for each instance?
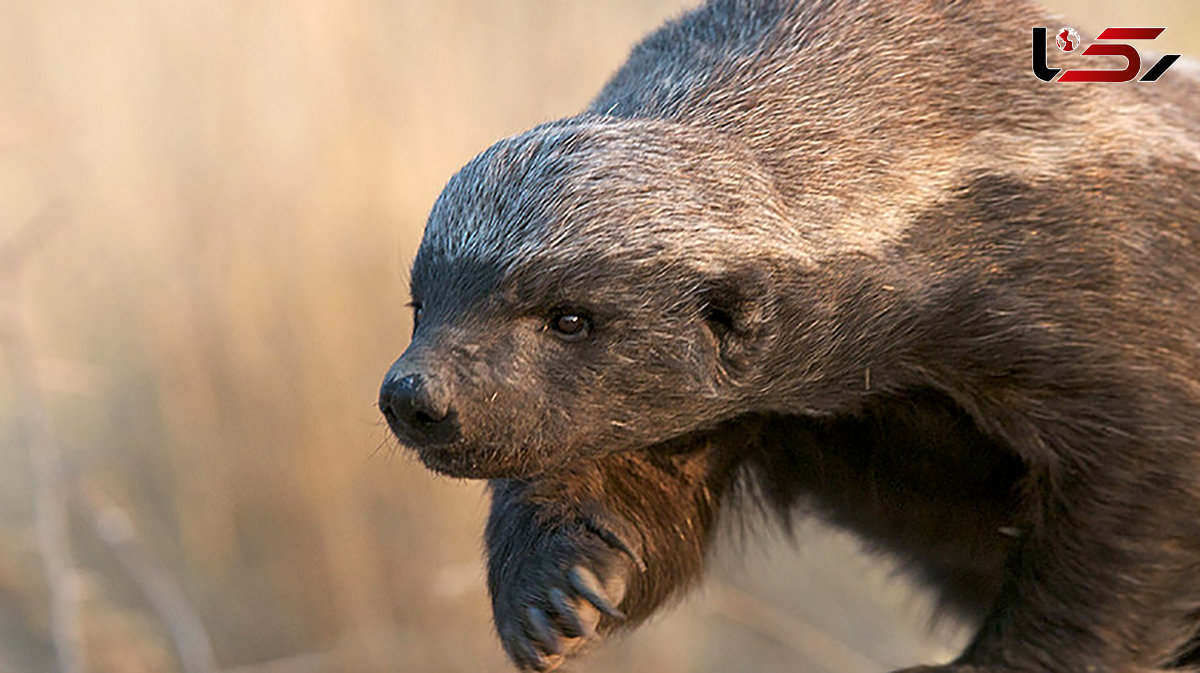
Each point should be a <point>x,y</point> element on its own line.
<point>736,308</point>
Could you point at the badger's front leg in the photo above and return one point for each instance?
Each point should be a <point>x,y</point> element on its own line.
<point>555,570</point>
<point>597,545</point>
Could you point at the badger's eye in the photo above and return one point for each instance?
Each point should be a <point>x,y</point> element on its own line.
<point>570,326</point>
<point>418,314</point>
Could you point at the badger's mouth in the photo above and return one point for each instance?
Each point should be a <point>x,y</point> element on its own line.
<point>467,462</point>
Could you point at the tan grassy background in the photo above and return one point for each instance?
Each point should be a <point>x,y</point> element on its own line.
<point>219,200</point>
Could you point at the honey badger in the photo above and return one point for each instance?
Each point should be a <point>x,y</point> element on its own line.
<point>808,256</point>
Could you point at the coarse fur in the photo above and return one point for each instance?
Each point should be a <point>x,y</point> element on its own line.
<point>811,248</point>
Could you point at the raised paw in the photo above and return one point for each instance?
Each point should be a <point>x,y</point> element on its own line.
<point>550,605</point>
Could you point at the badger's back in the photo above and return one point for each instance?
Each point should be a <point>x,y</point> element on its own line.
<point>916,131</point>
<point>841,98</point>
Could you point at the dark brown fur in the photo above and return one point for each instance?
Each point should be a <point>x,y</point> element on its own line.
<point>828,261</point>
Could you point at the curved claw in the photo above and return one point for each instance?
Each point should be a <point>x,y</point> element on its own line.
<point>527,656</point>
<point>569,621</point>
<point>615,541</point>
<point>588,586</point>
<point>540,629</point>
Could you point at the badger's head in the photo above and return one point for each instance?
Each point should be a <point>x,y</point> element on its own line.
<point>589,286</point>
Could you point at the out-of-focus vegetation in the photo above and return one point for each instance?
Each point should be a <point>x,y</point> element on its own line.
<point>206,212</point>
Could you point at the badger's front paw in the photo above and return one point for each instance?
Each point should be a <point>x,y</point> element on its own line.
<point>550,599</point>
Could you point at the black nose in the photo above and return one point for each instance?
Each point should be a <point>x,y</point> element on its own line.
<point>409,403</point>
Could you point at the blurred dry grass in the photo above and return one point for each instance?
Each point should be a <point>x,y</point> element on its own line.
<point>240,186</point>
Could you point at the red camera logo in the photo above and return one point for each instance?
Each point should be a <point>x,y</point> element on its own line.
<point>1068,41</point>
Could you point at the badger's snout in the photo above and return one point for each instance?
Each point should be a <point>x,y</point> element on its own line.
<point>417,409</point>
